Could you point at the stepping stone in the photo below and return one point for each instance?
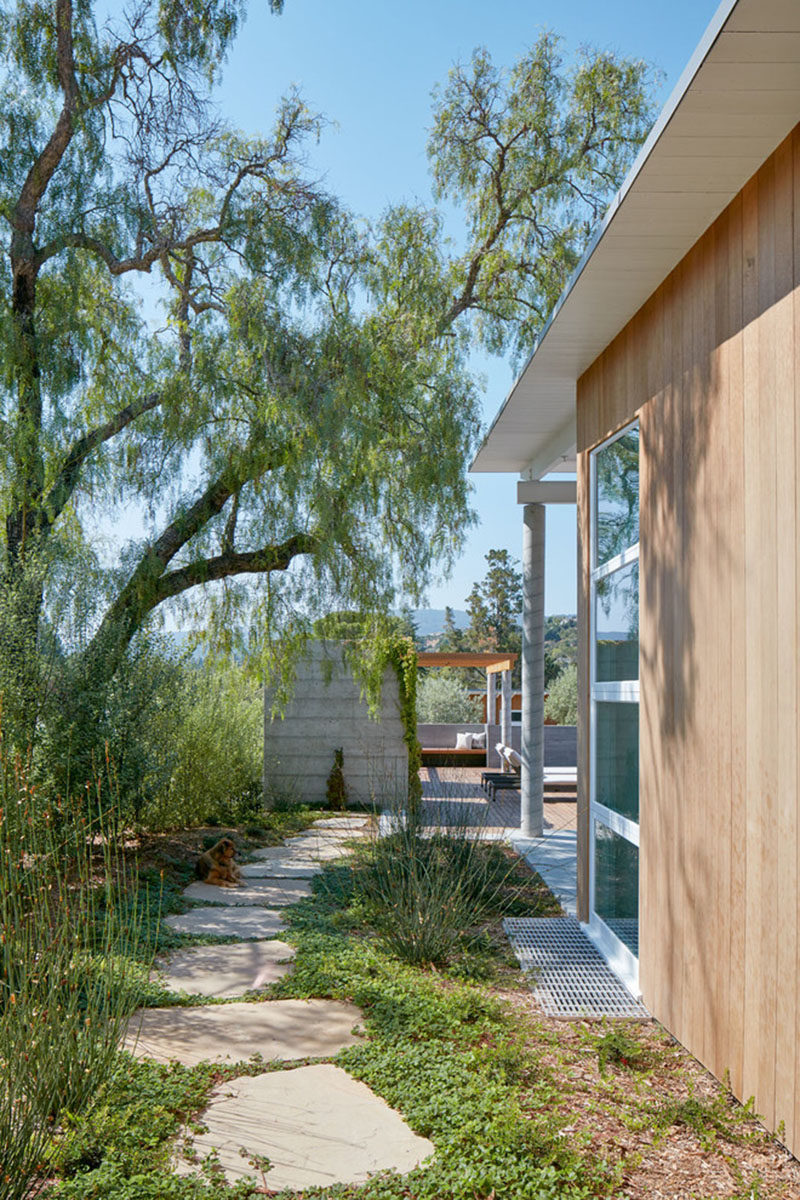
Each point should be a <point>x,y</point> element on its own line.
<point>317,847</point>
<point>275,1029</point>
<point>316,1125</point>
<point>232,921</point>
<point>351,824</point>
<point>282,868</point>
<point>224,971</point>
<point>307,853</point>
<point>274,893</point>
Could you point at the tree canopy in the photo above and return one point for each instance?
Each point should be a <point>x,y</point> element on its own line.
<point>296,424</point>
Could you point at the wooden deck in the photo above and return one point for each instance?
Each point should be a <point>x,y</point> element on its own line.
<point>453,796</point>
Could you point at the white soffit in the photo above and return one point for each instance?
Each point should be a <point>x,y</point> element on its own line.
<point>736,101</point>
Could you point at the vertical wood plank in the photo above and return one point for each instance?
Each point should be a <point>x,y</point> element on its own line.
<point>785,830</point>
<point>765,803</point>
<point>753,567</point>
<point>735,677</point>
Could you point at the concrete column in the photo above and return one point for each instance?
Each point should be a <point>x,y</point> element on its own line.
<point>532,811</point>
<point>505,708</point>
<point>490,714</point>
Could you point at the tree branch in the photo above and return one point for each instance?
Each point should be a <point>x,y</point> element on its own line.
<point>67,478</point>
<point>231,562</point>
<point>45,164</point>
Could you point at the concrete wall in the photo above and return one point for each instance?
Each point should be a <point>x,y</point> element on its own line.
<point>560,745</point>
<point>327,712</point>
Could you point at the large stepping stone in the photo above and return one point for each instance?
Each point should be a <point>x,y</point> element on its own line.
<point>274,893</point>
<point>233,921</point>
<point>285,868</point>
<point>315,847</point>
<point>224,971</point>
<point>316,1125</point>
<point>275,1029</point>
<point>350,824</point>
<point>307,854</point>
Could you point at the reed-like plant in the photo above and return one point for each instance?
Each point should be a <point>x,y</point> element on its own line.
<point>431,879</point>
<point>68,976</point>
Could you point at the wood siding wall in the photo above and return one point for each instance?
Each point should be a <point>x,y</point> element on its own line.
<point>711,366</point>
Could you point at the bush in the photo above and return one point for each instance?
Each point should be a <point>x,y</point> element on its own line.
<point>423,887</point>
<point>216,775</point>
<point>561,705</point>
<point>444,699</point>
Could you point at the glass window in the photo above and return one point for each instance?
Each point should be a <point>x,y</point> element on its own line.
<point>617,625</point>
<point>616,885</point>
<point>617,496</point>
<point>617,758</point>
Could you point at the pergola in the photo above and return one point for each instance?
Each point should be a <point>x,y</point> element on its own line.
<point>493,663</point>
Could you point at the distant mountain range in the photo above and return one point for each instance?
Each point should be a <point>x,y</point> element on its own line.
<point>431,620</point>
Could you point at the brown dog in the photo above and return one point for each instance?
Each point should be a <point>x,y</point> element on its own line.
<point>216,865</point>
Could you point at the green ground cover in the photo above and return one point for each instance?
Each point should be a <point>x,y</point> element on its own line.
<point>453,1045</point>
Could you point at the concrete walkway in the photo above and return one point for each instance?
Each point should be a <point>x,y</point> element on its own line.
<point>555,858</point>
<point>315,1125</point>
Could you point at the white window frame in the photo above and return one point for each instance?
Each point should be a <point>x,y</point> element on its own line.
<point>619,957</point>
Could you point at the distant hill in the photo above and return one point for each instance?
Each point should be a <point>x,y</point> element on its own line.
<point>431,620</point>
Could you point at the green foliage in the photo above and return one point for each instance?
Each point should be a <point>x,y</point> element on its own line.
<point>218,753</point>
<point>532,154</point>
<point>495,605</point>
<point>617,1047</point>
<point>443,697</point>
<point>68,974</point>
<point>336,791</point>
<point>561,705</point>
<point>422,891</point>
<point>560,646</point>
<point>320,354</point>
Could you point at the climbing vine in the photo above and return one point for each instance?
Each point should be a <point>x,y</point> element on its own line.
<point>372,643</point>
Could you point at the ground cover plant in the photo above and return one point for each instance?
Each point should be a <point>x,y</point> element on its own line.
<point>517,1106</point>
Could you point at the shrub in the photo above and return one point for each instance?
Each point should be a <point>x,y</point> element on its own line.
<point>444,699</point>
<point>561,705</point>
<point>423,887</point>
<point>217,753</point>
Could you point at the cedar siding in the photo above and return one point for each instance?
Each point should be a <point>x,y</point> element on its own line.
<point>709,366</point>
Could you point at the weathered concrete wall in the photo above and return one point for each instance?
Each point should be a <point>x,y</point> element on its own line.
<point>327,712</point>
<point>560,745</point>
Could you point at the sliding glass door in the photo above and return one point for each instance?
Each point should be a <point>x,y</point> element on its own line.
<point>614,709</point>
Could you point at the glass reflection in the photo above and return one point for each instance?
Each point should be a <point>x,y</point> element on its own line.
<point>617,496</point>
<point>616,885</point>
<point>617,758</point>
<point>617,625</point>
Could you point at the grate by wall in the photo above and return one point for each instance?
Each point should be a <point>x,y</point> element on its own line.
<point>569,977</point>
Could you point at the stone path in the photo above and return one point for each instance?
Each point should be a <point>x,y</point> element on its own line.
<point>225,972</point>
<point>233,921</point>
<point>276,893</point>
<point>315,1124</point>
<point>282,1029</point>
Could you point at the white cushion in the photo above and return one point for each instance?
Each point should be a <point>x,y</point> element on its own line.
<point>464,741</point>
<point>479,741</point>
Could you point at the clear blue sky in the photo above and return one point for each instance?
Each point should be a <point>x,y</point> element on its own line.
<point>370,65</point>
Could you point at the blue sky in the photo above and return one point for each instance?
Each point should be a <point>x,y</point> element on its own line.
<point>370,65</point>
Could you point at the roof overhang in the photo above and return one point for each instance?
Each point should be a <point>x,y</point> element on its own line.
<point>737,100</point>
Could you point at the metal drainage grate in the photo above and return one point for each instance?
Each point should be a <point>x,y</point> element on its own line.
<point>570,979</point>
